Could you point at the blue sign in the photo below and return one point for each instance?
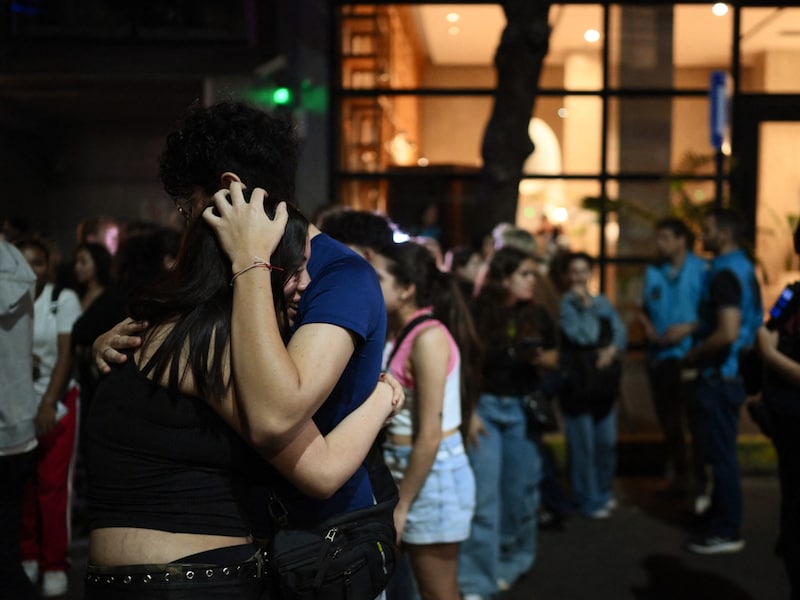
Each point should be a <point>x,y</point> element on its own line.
<point>719,101</point>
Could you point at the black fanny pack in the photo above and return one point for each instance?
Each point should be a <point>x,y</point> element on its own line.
<point>350,555</point>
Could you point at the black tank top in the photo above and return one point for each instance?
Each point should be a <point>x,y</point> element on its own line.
<point>164,462</point>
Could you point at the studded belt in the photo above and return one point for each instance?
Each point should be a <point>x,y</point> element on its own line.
<point>174,573</point>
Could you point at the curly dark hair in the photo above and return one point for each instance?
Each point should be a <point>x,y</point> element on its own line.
<point>262,150</point>
<point>359,228</point>
<point>260,147</point>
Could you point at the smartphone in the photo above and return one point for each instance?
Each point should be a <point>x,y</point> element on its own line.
<point>780,309</point>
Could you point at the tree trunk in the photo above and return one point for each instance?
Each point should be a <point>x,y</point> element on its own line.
<point>506,143</point>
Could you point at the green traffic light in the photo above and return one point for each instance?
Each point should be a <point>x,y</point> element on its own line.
<point>281,96</point>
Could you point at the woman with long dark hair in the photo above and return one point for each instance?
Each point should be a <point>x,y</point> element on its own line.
<point>519,342</point>
<point>434,359</point>
<point>170,473</point>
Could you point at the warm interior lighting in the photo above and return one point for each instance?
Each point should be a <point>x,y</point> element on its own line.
<point>720,9</point>
<point>453,30</point>
<point>453,17</point>
<point>591,35</point>
<point>563,112</point>
<point>558,215</point>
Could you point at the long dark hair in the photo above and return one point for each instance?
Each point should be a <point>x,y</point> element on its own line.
<point>102,260</point>
<point>196,298</point>
<point>495,322</point>
<point>411,263</point>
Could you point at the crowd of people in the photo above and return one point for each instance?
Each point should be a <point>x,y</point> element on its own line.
<point>195,374</point>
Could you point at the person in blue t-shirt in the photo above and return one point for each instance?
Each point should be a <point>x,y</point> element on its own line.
<point>670,303</point>
<point>344,304</point>
<point>730,315</point>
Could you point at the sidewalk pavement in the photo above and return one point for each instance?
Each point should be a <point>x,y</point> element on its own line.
<point>636,554</point>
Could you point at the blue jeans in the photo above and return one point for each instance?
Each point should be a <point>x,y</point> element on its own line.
<point>719,402</point>
<point>592,454</point>
<point>507,467</point>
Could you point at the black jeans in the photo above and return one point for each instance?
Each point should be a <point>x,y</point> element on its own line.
<point>15,470</point>
<point>786,437</point>
<point>677,414</point>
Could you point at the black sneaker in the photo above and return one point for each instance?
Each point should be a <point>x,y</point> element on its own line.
<point>715,544</point>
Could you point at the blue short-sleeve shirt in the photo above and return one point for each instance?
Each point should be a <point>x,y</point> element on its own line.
<point>344,291</point>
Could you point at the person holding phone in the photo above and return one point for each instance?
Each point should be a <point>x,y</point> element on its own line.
<point>778,342</point>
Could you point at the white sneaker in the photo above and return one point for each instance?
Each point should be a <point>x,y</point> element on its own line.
<point>54,583</point>
<point>31,568</point>
<point>472,597</point>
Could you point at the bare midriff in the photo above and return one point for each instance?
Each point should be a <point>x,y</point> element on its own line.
<point>408,440</point>
<point>118,546</point>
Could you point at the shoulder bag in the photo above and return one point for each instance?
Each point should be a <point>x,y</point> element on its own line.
<point>348,556</point>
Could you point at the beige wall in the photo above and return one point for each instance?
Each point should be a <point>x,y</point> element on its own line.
<point>452,127</point>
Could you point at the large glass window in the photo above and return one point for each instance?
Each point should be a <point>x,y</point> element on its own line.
<point>769,49</point>
<point>620,125</point>
<point>621,129</point>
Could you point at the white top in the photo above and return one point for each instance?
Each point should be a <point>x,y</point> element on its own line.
<point>402,423</point>
<point>51,319</point>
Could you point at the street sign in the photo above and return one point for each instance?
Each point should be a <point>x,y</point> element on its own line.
<point>719,100</point>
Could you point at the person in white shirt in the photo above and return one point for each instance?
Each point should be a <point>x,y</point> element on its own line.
<point>45,513</point>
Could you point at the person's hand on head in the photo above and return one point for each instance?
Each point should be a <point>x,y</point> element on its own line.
<point>245,231</point>
<point>106,348</point>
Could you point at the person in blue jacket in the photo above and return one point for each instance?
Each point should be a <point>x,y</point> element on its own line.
<point>730,314</point>
<point>670,304</point>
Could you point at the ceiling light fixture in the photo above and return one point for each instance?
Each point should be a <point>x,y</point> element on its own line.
<point>453,30</point>
<point>453,17</point>
<point>591,35</point>
<point>720,9</point>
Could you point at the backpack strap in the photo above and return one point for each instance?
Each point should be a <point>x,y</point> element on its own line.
<point>404,333</point>
<point>54,300</point>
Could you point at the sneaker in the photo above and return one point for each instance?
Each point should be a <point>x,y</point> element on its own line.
<point>472,597</point>
<point>612,504</point>
<point>31,568</point>
<point>715,544</point>
<point>54,583</point>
